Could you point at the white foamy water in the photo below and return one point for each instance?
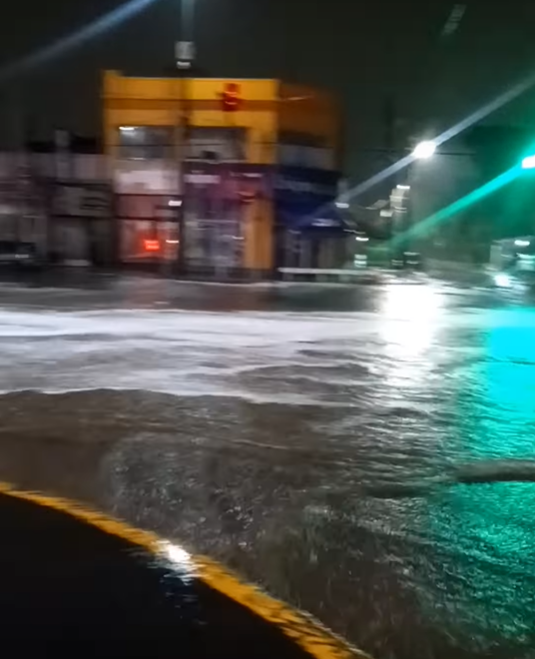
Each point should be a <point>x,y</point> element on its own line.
<point>191,353</point>
<point>291,358</point>
<point>339,506</point>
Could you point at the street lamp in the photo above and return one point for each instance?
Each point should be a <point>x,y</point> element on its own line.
<point>424,150</point>
<point>528,162</point>
<point>185,48</point>
<point>402,201</point>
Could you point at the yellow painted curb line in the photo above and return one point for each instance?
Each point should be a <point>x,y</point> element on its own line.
<point>302,628</point>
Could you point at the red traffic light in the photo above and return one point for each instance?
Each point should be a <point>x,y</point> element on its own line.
<point>231,97</point>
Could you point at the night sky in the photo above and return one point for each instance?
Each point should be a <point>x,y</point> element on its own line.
<point>374,54</point>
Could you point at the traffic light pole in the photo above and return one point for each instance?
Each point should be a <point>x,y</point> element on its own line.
<point>185,55</point>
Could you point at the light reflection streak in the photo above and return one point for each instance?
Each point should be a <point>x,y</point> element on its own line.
<point>486,573</point>
<point>410,314</point>
<point>425,226</point>
<point>410,317</point>
<point>489,108</point>
<point>180,560</point>
<point>76,39</point>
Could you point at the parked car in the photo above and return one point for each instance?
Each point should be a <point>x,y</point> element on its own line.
<point>18,254</point>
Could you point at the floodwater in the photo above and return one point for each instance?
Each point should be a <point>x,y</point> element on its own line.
<point>343,447</point>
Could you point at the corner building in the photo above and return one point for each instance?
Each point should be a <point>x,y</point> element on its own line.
<point>223,177</point>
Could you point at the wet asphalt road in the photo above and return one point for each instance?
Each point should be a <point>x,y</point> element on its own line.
<point>308,437</point>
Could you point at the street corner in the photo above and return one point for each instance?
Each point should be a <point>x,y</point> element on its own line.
<point>75,581</point>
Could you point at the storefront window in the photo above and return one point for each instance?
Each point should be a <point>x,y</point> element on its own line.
<point>146,207</point>
<point>217,144</point>
<point>149,228</point>
<point>215,244</point>
<point>214,231</point>
<point>146,142</point>
<point>313,249</point>
<point>146,241</point>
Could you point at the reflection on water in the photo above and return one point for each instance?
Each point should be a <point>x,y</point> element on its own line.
<point>279,442</point>
<point>181,560</point>
<point>409,326</point>
<point>485,533</point>
<point>509,383</point>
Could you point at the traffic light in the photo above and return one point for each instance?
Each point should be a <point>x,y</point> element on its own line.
<point>231,98</point>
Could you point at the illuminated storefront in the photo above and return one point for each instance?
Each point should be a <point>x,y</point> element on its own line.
<point>148,227</point>
<point>226,207</point>
<point>310,230</point>
<point>195,177</point>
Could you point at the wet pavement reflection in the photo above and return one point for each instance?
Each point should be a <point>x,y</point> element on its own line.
<point>313,438</point>
<point>100,588</point>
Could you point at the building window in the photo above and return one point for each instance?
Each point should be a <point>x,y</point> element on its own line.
<point>146,142</point>
<point>145,177</point>
<point>149,228</point>
<point>216,144</point>
<point>146,207</point>
<point>146,241</point>
<point>303,150</point>
<point>214,229</point>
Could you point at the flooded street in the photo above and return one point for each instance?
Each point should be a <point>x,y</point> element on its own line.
<point>313,439</point>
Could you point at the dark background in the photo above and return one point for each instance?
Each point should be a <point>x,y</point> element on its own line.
<point>396,73</point>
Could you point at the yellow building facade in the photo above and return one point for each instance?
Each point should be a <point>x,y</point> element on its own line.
<point>187,170</point>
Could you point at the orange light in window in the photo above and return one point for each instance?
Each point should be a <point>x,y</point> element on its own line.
<point>151,245</point>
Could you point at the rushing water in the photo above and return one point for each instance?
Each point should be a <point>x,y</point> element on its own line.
<point>320,453</point>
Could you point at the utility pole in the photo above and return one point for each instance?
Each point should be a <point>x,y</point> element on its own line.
<point>185,56</point>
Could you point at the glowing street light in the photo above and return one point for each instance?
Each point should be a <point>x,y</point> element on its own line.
<point>528,163</point>
<point>424,150</point>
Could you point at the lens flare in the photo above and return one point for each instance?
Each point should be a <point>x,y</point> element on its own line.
<point>76,39</point>
<point>426,225</point>
<point>489,108</point>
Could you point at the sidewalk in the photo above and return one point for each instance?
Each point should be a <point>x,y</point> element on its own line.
<point>457,271</point>
<point>84,278</point>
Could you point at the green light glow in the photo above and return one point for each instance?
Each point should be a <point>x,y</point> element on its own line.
<point>529,162</point>
<point>426,225</point>
<point>486,567</point>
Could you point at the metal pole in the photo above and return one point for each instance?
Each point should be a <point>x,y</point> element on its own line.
<point>186,20</point>
<point>185,55</point>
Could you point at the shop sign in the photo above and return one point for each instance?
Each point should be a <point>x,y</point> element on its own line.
<point>78,200</point>
<point>242,183</point>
